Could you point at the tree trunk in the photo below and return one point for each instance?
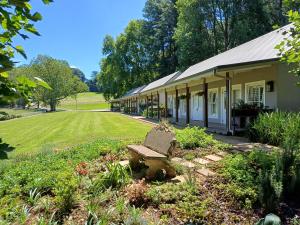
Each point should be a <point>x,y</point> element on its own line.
<point>53,106</point>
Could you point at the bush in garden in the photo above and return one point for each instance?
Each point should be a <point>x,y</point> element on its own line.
<point>6,116</point>
<point>194,137</point>
<point>275,128</point>
<point>282,129</point>
<point>115,177</point>
<point>256,177</point>
<point>65,191</point>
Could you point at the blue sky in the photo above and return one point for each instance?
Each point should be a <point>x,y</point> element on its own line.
<point>74,29</point>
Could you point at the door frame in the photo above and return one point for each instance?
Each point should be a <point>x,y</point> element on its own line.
<point>193,94</point>
<point>223,106</point>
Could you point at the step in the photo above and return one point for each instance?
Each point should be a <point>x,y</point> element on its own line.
<point>222,153</point>
<point>201,161</point>
<point>187,164</point>
<point>176,159</point>
<point>213,157</point>
<point>205,172</point>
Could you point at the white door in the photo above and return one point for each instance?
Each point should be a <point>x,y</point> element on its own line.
<point>235,98</point>
<point>170,106</point>
<point>197,107</point>
<point>223,105</point>
<point>182,108</point>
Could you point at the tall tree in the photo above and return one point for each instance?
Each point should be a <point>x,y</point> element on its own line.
<point>78,73</point>
<point>159,27</point>
<point>208,27</point>
<point>59,76</point>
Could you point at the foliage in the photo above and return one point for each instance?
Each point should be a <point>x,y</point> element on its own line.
<point>16,17</point>
<point>59,76</point>
<point>274,128</point>
<point>270,219</point>
<point>136,193</point>
<point>183,198</point>
<point>115,177</point>
<point>289,47</point>
<point>78,73</point>
<point>6,116</point>
<point>50,174</point>
<point>64,190</point>
<point>177,34</point>
<point>194,137</point>
<point>254,177</point>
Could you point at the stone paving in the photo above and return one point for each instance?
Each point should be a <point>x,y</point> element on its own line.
<point>199,164</point>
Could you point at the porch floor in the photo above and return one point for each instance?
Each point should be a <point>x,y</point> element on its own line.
<point>240,144</point>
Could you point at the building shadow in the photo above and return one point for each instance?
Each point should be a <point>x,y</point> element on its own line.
<point>4,149</point>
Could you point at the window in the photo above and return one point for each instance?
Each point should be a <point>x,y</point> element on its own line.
<point>236,94</point>
<point>255,93</point>
<point>212,103</point>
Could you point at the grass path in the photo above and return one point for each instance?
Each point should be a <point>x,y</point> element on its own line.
<point>85,101</point>
<point>63,129</point>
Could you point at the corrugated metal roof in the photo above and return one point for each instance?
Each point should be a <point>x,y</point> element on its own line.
<point>161,82</point>
<point>134,91</point>
<point>259,49</point>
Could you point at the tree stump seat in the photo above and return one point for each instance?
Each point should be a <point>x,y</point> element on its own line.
<point>155,152</point>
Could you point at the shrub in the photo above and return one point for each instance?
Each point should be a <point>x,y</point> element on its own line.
<point>275,128</point>
<point>64,190</point>
<point>6,116</point>
<point>136,193</point>
<point>282,129</point>
<point>194,137</point>
<point>183,198</point>
<point>115,177</point>
<point>254,177</point>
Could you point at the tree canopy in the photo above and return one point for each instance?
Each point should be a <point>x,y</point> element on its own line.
<point>58,74</point>
<point>175,34</point>
<point>17,19</point>
<point>291,55</point>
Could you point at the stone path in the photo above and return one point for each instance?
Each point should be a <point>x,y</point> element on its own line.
<point>199,165</point>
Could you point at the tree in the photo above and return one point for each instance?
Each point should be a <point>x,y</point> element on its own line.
<point>126,64</point>
<point>290,47</point>
<point>16,17</point>
<point>59,76</point>
<point>78,73</point>
<point>159,28</point>
<point>78,87</point>
<point>92,82</point>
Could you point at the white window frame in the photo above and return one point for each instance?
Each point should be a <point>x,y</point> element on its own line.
<point>236,87</point>
<point>256,83</point>
<point>213,116</point>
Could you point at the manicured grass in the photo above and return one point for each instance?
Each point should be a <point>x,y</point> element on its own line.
<point>64,129</point>
<point>87,106</point>
<point>85,101</point>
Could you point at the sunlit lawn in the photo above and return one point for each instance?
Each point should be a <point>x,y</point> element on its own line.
<point>85,101</point>
<point>63,129</point>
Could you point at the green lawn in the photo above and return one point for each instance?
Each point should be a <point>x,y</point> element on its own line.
<point>64,129</point>
<point>85,101</point>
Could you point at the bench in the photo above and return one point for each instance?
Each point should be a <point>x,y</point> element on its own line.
<point>155,152</point>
